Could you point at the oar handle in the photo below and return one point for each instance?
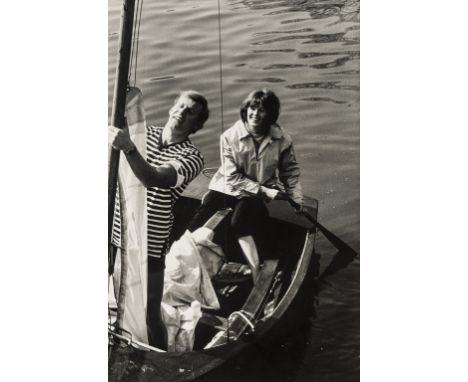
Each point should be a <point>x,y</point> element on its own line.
<point>332,238</point>
<point>294,204</point>
<point>303,212</point>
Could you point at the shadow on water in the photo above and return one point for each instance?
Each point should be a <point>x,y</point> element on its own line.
<point>279,361</point>
<point>340,261</point>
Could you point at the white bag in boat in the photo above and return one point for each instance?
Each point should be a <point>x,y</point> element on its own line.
<point>186,278</point>
<point>171,318</point>
<point>180,323</point>
<point>189,316</point>
<point>187,287</point>
<point>212,255</point>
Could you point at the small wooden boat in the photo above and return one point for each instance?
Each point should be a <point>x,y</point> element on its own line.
<point>249,314</point>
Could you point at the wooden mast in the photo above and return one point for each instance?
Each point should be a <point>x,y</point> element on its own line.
<point>118,105</point>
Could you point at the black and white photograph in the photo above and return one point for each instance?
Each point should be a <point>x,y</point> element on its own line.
<point>234,190</point>
<point>231,190</point>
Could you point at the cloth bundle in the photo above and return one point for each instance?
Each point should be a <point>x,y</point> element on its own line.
<point>188,287</point>
<point>180,323</point>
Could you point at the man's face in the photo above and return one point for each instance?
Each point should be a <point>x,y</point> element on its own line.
<point>184,115</point>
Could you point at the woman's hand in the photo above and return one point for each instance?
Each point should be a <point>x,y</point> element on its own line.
<point>272,194</point>
<point>300,209</point>
<point>281,196</point>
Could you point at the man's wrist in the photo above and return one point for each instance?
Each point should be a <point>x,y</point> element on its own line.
<point>130,149</point>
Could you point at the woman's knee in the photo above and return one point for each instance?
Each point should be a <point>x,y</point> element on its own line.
<point>248,215</point>
<point>212,202</point>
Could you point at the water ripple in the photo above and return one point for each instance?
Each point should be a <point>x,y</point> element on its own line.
<point>323,85</point>
<point>154,79</point>
<point>325,38</point>
<point>294,21</point>
<point>347,72</point>
<point>273,51</point>
<point>351,54</point>
<point>347,10</point>
<point>288,32</point>
<point>311,39</point>
<point>249,80</point>
<point>323,99</point>
<point>332,64</point>
<point>283,66</point>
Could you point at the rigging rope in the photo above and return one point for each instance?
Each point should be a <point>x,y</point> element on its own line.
<point>220,60</point>
<point>220,65</point>
<point>135,43</point>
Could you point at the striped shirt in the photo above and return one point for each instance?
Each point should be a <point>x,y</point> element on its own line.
<point>188,162</point>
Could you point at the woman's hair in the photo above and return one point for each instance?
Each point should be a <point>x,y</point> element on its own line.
<point>262,97</point>
<point>201,100</point>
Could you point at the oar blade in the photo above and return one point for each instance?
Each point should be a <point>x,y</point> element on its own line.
<point>332,238</point>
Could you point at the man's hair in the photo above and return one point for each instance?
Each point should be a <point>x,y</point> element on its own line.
<point>262,97</point>
<point>201,100</point>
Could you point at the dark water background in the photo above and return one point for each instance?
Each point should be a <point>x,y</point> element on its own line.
<point>307,52</point>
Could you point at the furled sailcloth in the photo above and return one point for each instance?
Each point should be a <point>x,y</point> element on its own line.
<point>187,287</point>
<point>131,267</point>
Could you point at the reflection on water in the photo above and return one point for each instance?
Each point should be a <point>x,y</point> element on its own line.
<point>160,78</point>
<point>307,51</point>
<point>321,99</point>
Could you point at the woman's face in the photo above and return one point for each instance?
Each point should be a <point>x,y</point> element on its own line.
<point>256,115</point>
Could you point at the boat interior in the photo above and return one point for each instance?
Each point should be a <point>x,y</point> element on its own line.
<point>242,303</point>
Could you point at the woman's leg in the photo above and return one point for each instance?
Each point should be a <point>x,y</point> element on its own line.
<point>249,217</point>
<point>212,202</point>
<point>247,244</point>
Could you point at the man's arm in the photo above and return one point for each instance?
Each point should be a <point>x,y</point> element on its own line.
<point>164,176</point>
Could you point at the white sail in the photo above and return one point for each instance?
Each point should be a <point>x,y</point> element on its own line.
<point>130,283</point>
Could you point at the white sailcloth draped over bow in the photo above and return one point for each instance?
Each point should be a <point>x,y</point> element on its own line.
<point>130,281</point>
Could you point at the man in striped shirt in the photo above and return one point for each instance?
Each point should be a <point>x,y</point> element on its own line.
<point>170,164</point>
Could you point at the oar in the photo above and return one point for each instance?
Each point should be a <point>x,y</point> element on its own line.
<point>332,238</point>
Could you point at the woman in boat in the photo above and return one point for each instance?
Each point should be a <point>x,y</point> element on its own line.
<point>257,157</point>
